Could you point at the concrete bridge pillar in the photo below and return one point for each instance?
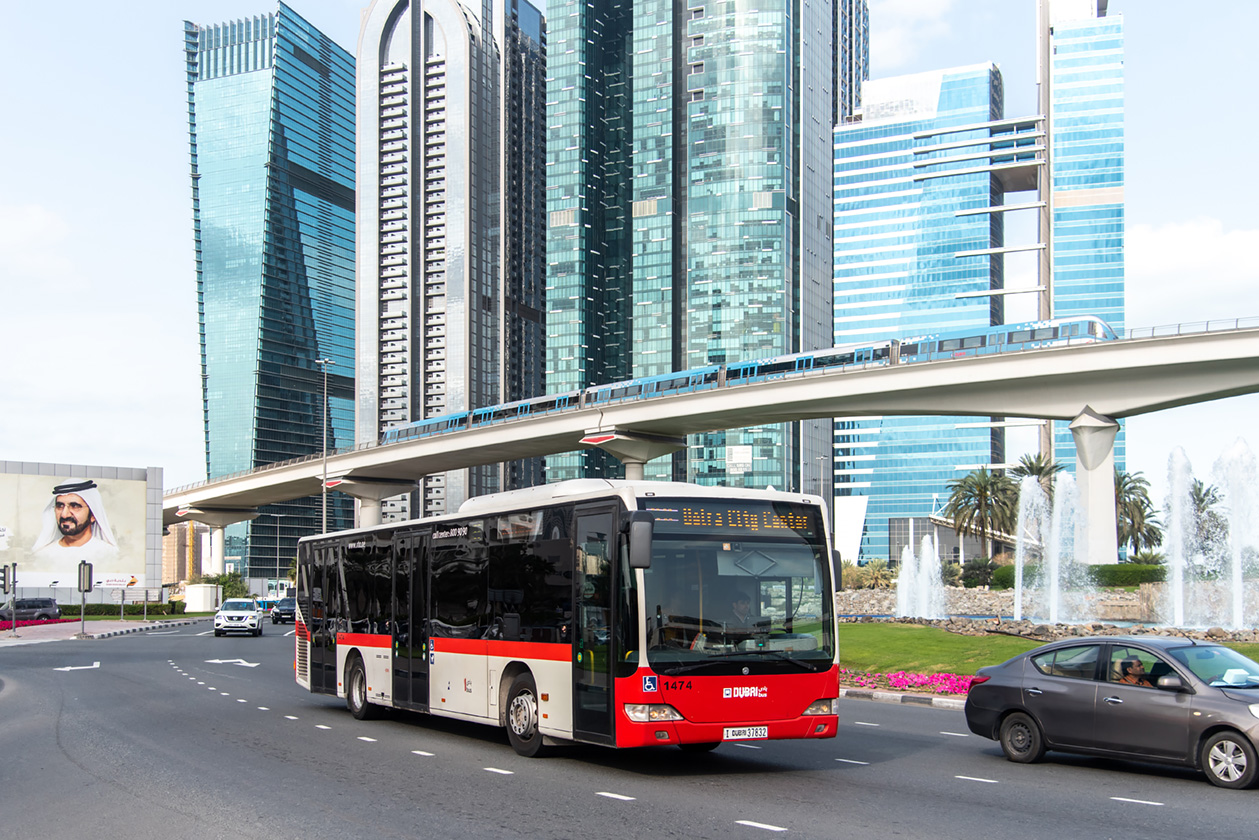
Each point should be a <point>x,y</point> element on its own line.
<point>1096,538</point>
<point>633,449</point>
<point>218,539</point>
<point>370,492</point>
<point>218,519</point>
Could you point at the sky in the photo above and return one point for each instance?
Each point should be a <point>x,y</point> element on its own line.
<point>99,357</point>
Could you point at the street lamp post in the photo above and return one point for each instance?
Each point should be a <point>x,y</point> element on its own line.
<point>278,517</point>
<point>323,421</point>
<point>821,471</point>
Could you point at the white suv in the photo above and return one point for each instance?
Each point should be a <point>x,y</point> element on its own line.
<point>238,615</point>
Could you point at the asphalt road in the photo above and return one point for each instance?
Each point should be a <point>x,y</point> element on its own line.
<point>150,736</point>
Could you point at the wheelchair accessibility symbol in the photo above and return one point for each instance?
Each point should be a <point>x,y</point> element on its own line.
<point>649,683</point>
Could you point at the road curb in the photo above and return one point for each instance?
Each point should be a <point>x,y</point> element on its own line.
<point>900,697</point>
<point>163,625</point>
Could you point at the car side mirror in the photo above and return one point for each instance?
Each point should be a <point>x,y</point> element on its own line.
<point>1171,682</point>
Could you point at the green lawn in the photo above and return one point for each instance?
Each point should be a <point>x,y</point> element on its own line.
<point>887,648</point>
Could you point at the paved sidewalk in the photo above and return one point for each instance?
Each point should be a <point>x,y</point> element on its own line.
<point>69,630</point>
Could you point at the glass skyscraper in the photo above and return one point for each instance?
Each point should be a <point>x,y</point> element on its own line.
<point>689,205</point>
<point>1086,118</point>
<point>271,130</point>
<point>904,252</point>
<point>451,224</point>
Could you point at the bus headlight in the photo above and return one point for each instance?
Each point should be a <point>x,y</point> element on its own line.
<point>651,712</point>
<point>821,707</point>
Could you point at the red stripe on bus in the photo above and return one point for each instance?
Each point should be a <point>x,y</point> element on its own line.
<point>371,640</point>
<point>552,651</point>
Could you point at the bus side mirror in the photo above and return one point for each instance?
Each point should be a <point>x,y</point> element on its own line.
<point>641,525</point>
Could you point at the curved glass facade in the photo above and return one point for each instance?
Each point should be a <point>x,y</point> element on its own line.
<point>271,128</point>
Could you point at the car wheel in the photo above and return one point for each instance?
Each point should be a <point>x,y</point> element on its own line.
<point>1021,739</point>
<point>523,717</point>
<point>258,632</point>
<point>42,617</point>
<point>1229,760</point>
<point>356,692</point>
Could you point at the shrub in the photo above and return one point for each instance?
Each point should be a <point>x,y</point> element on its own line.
<point>977,572</point>
<point>1127,574</point>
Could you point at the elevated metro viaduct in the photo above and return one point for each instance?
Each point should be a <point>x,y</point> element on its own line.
<point>1091,385</point>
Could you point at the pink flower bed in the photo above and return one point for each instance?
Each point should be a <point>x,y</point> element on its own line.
<point>8,625</point>
<point>902,681</point>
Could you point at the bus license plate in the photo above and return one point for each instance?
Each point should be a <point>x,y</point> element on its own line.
<point>744,733</point>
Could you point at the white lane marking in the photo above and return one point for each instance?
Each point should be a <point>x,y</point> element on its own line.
<point>206,633</point>
<point>291,633</point>
<point>290,717</point>
<point>765,826</point>
<point>500,772</point>
<point>421,752</point>
<point>977,779</point>
<point>263,709</point>
<point>79,667</point>
<point>199,682</point>
<point>749,746</point>
<point>224,694</point>
<point>368,740</point>
<point>210,688</point>
<point>619,796</point>
<point>163,632</point>
<point>241,700</point>
<point>863,723</point>
<point>321,726</point>
<point>240,662</point>
<point>1137,801</point>
<point>852,761</point>
<point>954,734</point>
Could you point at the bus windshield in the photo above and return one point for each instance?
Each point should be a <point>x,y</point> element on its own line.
<point>743,585</point>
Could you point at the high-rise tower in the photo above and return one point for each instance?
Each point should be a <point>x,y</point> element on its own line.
<point>689,204</point>
<point>451,225</point>
<point>271,129</point>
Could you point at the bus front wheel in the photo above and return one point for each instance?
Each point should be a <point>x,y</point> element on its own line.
<point>523,717</point>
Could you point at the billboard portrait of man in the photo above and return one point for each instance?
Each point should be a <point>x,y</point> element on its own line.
<point>75,526</point>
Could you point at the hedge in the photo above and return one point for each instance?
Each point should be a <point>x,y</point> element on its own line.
<point>1114,574</point>
<point>172,608</point>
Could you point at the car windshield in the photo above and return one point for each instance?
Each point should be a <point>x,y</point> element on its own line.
<point>1218,666</point>
<point>238,606</point>
<point>287,603</point>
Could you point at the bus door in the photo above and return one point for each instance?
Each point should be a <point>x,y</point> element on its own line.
<point>595,543</point>
<point>325,591</point>
<point>410,621</point>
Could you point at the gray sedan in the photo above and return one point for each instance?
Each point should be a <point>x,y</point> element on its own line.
<point>1148,698</point>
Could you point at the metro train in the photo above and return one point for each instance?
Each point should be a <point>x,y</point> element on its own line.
<point>910,350</point>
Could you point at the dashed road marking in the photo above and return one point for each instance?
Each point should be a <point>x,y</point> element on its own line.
<point>290,717</point>
<point>1136,801</point>
<point>765,826</point>
<point>500,772</point>
<point>863,723</point>
<point>954,734</point>
<point>977,779</point>
<point>263,709</point>
<point>368,740</point>
<point>619,796</point>
<point>749,746</point>
<point>422,752</point>
<point>853,761</point>
<point>321,726</point>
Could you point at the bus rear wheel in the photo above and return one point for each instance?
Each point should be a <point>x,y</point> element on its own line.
<point>356,692</point>
<point>523,717</point>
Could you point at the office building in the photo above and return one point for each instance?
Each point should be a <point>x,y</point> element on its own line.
<point>271,131</point>
<point>689,207</point>
<point>1084,99</point>
<point>852,56</point>
<point>451,231</point>
<point>910,260</point>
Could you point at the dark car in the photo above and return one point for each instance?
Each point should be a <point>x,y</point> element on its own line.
<point>1163,699</point>
<point>32,609</point>
<point>284,610</point>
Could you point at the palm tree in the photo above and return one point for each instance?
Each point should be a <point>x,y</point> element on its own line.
<point>1135,519</point>
<point>982,502</point>
<point>1209,523</point>
<point>1040,466</point>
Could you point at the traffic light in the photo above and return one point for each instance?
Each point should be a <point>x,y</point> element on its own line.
<point>85,576</point>
<point>4,580</point>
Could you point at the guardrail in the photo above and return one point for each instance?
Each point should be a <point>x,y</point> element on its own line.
<point>1163,331</point>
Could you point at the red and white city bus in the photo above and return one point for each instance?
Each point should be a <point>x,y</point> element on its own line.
<point>585,611</point>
